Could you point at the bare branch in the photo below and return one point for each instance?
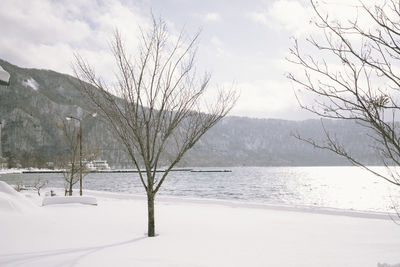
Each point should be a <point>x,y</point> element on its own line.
<point>352,74</point>
<point>155,109</point>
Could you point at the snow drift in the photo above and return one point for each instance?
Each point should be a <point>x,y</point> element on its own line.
<point>12,201</point>
<point>70,199</point>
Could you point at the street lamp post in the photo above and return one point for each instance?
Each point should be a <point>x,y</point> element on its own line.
<point>80,158</point>
<point>80,147</point>
<point>80,151</point>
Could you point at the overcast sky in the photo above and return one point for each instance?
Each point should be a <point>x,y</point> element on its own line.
<point>241,41</point>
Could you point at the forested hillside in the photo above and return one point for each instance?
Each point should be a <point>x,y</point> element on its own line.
<point>37,99</point>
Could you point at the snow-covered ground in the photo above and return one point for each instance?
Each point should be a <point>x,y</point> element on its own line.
<point>190,233</point>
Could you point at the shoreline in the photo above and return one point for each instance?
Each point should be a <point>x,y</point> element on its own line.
<point>249,205</point>
<point>368,214</point>
<point>347,191</point>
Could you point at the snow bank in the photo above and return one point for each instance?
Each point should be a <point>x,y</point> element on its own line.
<point>69,199</point>
<point>12,201</point>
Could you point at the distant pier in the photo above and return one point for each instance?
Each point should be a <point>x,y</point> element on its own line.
<point>42,171</point>
<point>123,171</point>
<point>211,171</point>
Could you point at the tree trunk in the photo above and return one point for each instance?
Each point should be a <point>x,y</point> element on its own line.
<point>80,157</point>
<point>150,209</point>
<point>70,185</point>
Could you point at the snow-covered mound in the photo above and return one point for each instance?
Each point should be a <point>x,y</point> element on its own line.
<point>69,200</point>
<point>12,201</point>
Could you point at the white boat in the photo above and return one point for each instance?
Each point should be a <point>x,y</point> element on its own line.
<point>98,165</point>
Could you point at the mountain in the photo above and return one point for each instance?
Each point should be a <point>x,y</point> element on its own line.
<point>269,142</point>
<point>37,99</point>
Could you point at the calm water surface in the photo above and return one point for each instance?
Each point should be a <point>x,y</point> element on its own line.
<point>335,187</point>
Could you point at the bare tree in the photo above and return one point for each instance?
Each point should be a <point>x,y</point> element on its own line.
<point>351,72</point>
<point>72,162</point>
<point>39,184</point>
<point>155,109</point>
<point>19,187</point>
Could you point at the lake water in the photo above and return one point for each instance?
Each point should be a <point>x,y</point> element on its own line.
<point>334,187</point>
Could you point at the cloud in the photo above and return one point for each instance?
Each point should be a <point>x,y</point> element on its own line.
<point>297,16</point>
<point>46,34</point>
<point>290,15</point>
<point>216,41</point>
<point>261,97</point>
<point>259,17</point>
<point>218,48</point>
<point>212,17</point>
